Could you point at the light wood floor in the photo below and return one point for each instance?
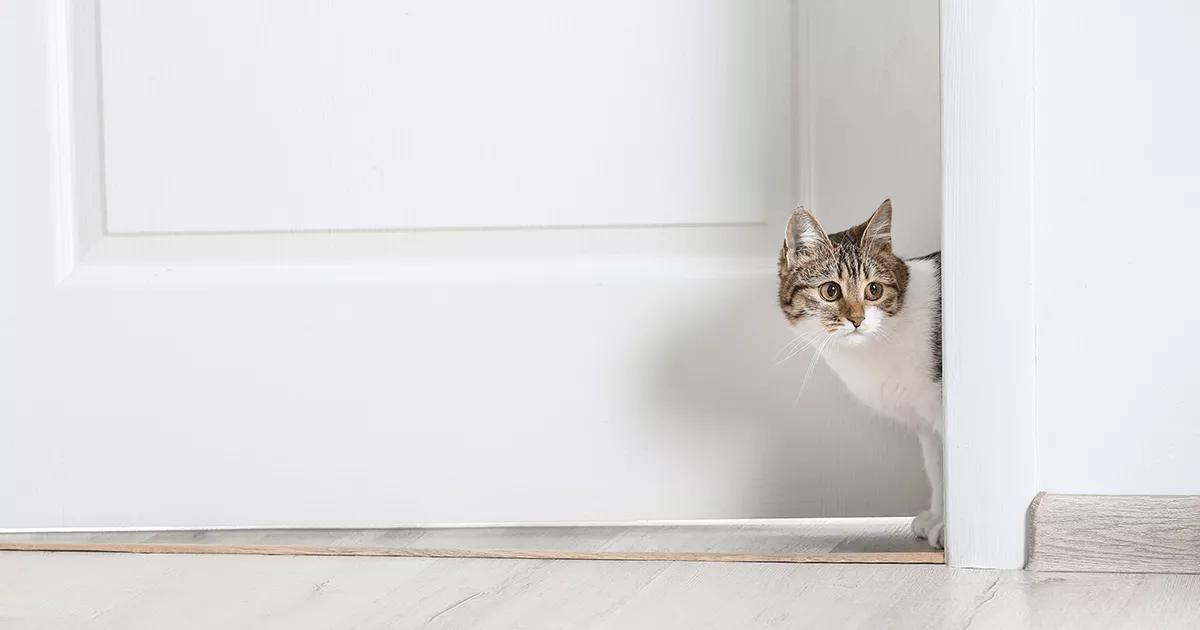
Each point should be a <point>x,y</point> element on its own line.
<point>94,590</point>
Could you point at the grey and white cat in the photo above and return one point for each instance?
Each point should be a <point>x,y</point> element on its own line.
<point>877,320</point>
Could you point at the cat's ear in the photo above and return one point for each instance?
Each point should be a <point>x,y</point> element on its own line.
<point>877,231</point>
<point>804,238</point>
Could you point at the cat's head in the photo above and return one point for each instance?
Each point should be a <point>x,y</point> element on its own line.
<point>844,287</point>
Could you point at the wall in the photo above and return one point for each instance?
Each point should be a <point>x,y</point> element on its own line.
<point>1117,176</point>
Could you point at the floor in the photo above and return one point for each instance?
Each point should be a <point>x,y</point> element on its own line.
<point>94,590</point>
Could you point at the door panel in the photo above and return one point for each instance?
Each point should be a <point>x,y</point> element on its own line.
<point>371,114</point>
<point>276,264</point>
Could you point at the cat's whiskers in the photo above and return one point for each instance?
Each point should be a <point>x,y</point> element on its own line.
<point>791,344</point>
<point>883,333</point>
<point>794,347</point>
<point>812,364</point>
<point>795,351</point>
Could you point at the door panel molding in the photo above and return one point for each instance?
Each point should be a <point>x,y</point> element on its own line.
<point>90,252</point>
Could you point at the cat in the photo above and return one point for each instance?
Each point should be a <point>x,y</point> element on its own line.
<point>877,321</point>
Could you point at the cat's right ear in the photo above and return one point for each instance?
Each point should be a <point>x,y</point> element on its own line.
<point>804,238</point>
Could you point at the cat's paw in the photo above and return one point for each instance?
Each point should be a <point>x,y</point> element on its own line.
<point>931,527</point>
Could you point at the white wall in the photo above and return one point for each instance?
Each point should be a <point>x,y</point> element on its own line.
<point>1116,215</point>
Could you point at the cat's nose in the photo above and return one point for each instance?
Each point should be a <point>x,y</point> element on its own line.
<point>857,321</point>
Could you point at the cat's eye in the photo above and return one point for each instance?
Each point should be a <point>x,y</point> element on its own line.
<point>830,291</point>
<point>874,291</point>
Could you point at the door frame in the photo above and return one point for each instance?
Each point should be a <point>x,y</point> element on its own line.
<point>988,266</point>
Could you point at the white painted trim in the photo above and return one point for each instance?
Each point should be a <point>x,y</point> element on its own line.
<point>802,108</point>
<point>987,124</point>
<point>60,99</point>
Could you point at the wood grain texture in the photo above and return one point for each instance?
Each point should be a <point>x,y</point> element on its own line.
<point>154,591</point>
<point>909,557</point>
<point>1115,533</point>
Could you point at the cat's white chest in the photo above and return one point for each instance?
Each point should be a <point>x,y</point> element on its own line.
<point>891,381</point>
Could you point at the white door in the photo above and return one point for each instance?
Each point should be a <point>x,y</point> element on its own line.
<point>283,263</point>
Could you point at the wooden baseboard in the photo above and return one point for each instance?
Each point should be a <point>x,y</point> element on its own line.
<point>1114,533</point>
<point>910,557</point>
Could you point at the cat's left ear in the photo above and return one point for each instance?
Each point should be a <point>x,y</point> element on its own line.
<point>804,238</point>
<point>877,231</point>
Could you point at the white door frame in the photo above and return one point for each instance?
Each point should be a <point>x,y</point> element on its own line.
<point>989,331</point>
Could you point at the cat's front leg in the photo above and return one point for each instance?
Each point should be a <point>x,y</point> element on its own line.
<point>931,524</point>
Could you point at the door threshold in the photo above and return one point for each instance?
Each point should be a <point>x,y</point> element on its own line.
<point>887,540</point>
<point>878,557</point>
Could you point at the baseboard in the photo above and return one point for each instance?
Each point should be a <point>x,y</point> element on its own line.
<point>1114,533</point>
